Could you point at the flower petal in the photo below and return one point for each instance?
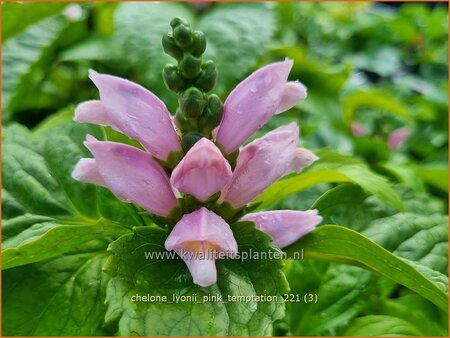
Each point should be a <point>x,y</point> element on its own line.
<point>92,112</point>
<point>293,93</point>
<point>138,113</point>
<point>86,171</point>
<point>302,158</point>
<point>202,226</point>
<point>251,104</point>
<point>398,137</point>
<point>260,163</point>
<point>285,226</point>
<point>205,234</point>
<point>202,172</point>
<point>133,176</point>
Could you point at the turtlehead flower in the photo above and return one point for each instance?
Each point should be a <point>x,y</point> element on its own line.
<point>132,110</point>
<point>197,238</point>
<point>253,102</point>
<point>131,174</point>
<point>358,129</point>
<point>264,161</point>
<point>398,137</point>
<point>210,133</point>
<point>285,226</point>
<point>202,172</point>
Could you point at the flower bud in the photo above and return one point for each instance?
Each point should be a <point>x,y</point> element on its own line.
<point>198,43</point>
<point>172,79</point>
<point>182,122</point>
<point>192,102</point>
<point>170,47</point>
<point>177,21</point>
<point>208,76</point>
<point>189,139</point>
<point>182,35</point>
<point>212,114</point>
<point>190,66</point>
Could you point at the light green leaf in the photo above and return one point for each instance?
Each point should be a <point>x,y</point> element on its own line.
<point>377,325</point>
<point>63,296</point>
<point>435,175</point>
<point>373,99</point>
<point>237,35</point>
<point>22,54</point>
<point>16,17</point>
<point>332,167</point>
<point>133,274</point>
<point>339,244</point>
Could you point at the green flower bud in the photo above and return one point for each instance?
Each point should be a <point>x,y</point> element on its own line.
<point>190,66</point>
<point>189,139</point>
<point>177,21</point>
<point>198,43</point>
<point>192,102</point>
<point>170,47</point>
<point>212,114</point>
<point>208,76</point>
<point>183,123</point>
<point>182,35</point>
<point>172,79</point>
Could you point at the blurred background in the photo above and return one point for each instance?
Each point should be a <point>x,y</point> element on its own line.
<point>377,78</point>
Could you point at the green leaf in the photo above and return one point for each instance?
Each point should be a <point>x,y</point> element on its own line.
<point>237,35</point>
<point>18,16</point>
<point>332,167</point>
<point>373,99</point>
<point>32,49</point>
<point>377,325</point>
<point>135,275</point>
<point>339,244</point>
<point>435,175</point>
<point>47,212</point>
<point>342,292</point>
<point>63,296</point>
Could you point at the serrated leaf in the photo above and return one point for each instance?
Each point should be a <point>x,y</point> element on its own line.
<point>237,35</point>
<point>133,274</point>
<point>63,296</point>
<point>332,167</point>
<point>339,244</point>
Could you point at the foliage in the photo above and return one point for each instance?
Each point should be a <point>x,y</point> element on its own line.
<point>73,255</point>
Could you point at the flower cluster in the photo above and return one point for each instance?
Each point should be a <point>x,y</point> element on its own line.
<point>191,170</point>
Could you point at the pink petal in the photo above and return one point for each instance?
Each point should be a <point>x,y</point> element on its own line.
<point>138,113</point>
<point>202,172</point>
<point>398,137</point>
<point>293,93</point>
<point>358,129</point>
<point>133,176</point>
<point>302,158</point>
<point>202,232</point>
<point>285,226</point>
<point>86,171</point>
<point>252,103</point>
<point>92,112</point>
<point>261,163</point>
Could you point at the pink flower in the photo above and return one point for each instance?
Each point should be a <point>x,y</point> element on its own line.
<point>131,174</point>
<point>358,129</point>
<point>132,110</point>
<point>262,162</point>
<point>253,102</point>
<point>197,238</point>
<point>398,137</point>
<point>285,226</point>
<point>202,172</point>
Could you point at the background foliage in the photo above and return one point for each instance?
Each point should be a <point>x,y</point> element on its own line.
<point>374,64</point>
